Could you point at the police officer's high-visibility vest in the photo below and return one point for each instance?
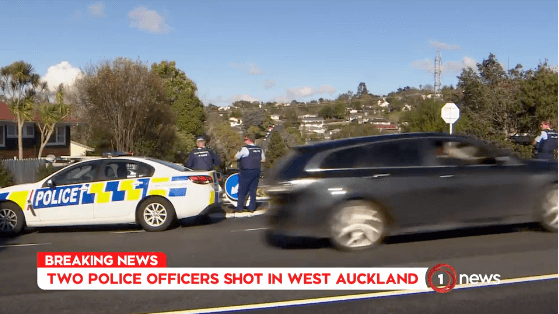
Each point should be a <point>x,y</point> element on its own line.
<point>253,160</point>
<point>548,145</point>
<point>203,159</point>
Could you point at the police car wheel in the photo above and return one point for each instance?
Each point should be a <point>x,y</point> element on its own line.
<point>156,214</point>
<point>12,219</point>
<point>548,210</point>
<point>357,225</point>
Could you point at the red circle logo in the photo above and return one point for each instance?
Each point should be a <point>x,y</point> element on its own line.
<point>447,269</point>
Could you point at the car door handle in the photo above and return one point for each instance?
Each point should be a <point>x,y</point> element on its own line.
<point>380,175</point>
<point>447,176</point>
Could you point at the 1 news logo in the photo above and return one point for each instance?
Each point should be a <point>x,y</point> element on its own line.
<point>444,269</point>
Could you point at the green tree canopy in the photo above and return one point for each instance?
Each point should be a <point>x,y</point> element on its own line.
<point>181,92</point>
<point>276,149</point>
<point>130,108</point>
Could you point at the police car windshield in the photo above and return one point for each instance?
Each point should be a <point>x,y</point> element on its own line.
<point>169,164</point>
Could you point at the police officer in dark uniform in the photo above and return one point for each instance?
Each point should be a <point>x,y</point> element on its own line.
<point>250,157</point>
<point>202,158</point>
<point>546,142</point>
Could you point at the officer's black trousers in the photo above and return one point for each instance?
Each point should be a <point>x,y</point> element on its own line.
<point>248,183</point>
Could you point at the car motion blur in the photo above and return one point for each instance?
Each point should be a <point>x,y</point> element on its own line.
<point>357,191</point>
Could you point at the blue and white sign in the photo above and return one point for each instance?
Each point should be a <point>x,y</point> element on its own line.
<point>232,186</point>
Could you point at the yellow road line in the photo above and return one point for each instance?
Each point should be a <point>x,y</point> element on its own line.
<point>351,297</point>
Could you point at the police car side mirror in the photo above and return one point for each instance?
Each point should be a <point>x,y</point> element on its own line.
<point>50,183</point>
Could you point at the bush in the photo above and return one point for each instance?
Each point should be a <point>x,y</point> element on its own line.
<point>6,177</point>
<point>46,171</point>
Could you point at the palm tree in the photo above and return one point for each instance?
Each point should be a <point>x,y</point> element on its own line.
<point>19,85</point>
<point>50,115</point>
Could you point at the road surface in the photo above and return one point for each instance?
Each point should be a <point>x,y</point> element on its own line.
<point>513,252</point>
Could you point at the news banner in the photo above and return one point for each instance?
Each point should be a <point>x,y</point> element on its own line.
<point>149,271</point>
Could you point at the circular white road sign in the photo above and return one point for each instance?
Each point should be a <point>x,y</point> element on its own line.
<point>450,113</point>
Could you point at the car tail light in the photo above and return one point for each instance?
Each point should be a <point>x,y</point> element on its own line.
<point>202,179</point>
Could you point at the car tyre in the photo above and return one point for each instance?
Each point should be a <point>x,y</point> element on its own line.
<point>12,220</point>
<point>275,240</point>
<point>548,209</point>
<point>356,226</point>
<point>156,214</point>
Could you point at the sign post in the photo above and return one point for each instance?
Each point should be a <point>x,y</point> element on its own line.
<point>450,114</point>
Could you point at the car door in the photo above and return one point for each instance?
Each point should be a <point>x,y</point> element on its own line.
<point>122,184</point>
<point>409,188</point>
<point>67,198</point>
<point>392,173</point>
<point>483,187</point>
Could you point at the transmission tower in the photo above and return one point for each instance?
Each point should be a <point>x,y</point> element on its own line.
<point>438,73</point>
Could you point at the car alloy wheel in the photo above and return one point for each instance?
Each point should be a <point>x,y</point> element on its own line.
<point>155,214</point>
<point>8,220</point>
<point>549,210</point>
<point>357,226</point>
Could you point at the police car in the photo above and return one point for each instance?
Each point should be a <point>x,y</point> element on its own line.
<point>141,190</point>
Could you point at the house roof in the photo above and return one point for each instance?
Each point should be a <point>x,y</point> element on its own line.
<point>82,145</point>
<point>7,115</point>
<point>386,126</point>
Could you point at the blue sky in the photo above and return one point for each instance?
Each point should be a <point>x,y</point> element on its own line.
<point>282,50</point>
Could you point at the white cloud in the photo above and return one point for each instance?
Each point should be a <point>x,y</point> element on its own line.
<point>469,62</point>
<point>450,66</point>
<point>250,68</point>
<point>307,91</point>
<point>63,73</point>
<point>443,46</point>
<point>222,101</point>
<point>425,64</point>
<point>269,84</point>
<point>244,97</point>
<point>326,89</point>
<point>253,70</point>
<point>282,99</point>
<point>151,21</point>
<point>216,100</point>
<point>97,9</point>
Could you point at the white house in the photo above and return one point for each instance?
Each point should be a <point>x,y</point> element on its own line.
<point>312,124</point>
<point>383,103</point>
<point>77,149</point>
<point>223,108</point>
<point>355,117</point>
<point>235,121</point>
<point>275,117</point>
<point>431,96</point>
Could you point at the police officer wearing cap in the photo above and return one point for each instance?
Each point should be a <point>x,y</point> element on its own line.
<point>250,157</point>
<point>202,158</point>
<point>546,142</point>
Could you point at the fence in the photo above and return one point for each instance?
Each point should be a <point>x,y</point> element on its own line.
<point>24,170</point>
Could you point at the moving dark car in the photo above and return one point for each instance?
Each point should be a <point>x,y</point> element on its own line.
<point>356,191</point>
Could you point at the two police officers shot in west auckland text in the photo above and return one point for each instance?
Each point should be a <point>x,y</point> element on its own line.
<point>202,158</point>
<point>250,158</point>
<point>546,142</point>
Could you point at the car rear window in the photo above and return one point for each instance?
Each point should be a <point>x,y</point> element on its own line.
<point>291,165</point>
<point>169,164</point>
